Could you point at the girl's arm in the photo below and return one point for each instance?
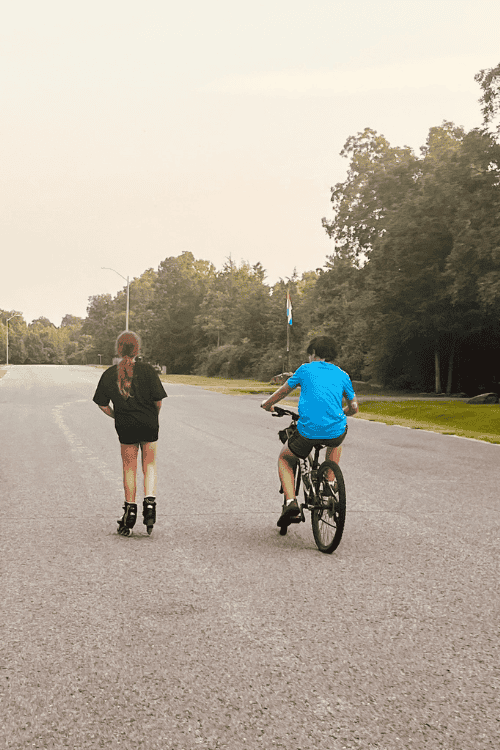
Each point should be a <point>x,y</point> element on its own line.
<point>108,411</point>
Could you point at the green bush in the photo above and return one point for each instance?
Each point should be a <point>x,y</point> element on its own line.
<point>271,363</point>
<point>228,361</point>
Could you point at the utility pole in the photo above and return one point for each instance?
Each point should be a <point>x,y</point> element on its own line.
<point>128,292</point>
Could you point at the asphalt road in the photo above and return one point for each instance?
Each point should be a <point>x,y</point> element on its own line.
<point>216,632</point>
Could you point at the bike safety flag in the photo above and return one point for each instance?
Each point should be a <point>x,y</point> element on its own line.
<point>288,309</point>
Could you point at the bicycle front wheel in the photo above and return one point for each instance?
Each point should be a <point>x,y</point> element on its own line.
<point>328,515</point>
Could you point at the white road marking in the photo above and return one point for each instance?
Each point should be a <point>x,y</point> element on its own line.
<point>85,456</point>
<point>430,432</point>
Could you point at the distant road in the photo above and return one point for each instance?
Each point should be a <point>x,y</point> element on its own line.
<point>215,632</point>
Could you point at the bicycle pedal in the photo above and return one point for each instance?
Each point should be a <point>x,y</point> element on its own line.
<point>295,519</point>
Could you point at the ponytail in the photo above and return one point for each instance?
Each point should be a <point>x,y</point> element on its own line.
<point>127,347</point>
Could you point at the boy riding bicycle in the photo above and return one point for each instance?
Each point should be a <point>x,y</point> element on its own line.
<point>322,418</point>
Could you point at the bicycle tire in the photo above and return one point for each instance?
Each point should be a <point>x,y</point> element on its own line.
<point>328,520</point>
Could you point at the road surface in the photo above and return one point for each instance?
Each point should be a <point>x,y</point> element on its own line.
<point>216,632</point>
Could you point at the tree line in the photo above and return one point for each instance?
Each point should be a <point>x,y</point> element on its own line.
<point>410,292</point>
<point>41,342</point>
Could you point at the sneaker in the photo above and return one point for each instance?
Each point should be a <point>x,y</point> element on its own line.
<point>288,512</point>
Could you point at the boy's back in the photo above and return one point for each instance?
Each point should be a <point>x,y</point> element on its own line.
<point>322,385</point>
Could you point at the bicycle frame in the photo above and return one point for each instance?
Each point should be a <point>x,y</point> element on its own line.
<point>306,472</point>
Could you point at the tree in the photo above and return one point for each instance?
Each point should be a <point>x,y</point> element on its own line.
<point>71,320</point>
<point>249,300</point>
<point>334,307</point>
<point>17,330</point>
<point>473,265</point>
<point>233,320</point>
<point>103,325</point>
<point>33,349</point>
<point>41,323</point>
<point>431,257</point>
<point>489,81</point>
<point>179,289</point>
<point>378,178</point>
<point>406,274</point>
<point>143,309</point>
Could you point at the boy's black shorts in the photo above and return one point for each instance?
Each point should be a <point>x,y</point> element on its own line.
<point>302,446</point>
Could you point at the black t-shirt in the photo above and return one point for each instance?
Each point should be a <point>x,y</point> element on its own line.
<point>140,406</point>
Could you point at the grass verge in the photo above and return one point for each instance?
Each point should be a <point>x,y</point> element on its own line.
<point>221,385</point>
<point>479,421</point>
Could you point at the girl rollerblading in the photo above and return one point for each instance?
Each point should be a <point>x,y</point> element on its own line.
<point>136,393</point>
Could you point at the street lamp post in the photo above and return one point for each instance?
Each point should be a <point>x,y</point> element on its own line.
<point>7,348</point>
<point>128,292</point>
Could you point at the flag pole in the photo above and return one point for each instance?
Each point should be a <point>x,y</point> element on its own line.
<point>287,346</point>
<point>288,324</point>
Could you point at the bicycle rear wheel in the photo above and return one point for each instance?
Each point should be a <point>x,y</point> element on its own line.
<point>328,517</point>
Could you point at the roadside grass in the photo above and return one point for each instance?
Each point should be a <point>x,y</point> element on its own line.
<point>222,385</point>
<point>241,386</point>
<point>3,371</point>
<point>479,421</point>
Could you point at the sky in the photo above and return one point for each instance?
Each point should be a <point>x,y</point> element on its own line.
<point>134,131</point>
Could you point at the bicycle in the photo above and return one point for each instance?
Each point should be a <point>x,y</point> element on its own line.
<point>324,496</point>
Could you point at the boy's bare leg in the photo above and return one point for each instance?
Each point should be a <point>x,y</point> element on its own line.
<point>149,468</point>
<point>286,464</point>
<point>333,454</point>
<point>129,458</point>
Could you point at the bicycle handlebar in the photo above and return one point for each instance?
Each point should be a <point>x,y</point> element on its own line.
<point>279,412</point>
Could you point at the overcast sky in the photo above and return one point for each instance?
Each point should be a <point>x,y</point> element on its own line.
<point>132,131</point>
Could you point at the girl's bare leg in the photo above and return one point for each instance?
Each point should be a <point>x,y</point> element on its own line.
<point>129,458</point>
<point>149,468</point>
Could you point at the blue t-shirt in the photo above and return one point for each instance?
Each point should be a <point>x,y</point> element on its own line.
<point>322,385</point>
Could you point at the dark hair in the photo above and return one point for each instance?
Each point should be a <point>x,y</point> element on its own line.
<point>323,347</point>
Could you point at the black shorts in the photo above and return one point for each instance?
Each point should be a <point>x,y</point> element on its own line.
<point>302,446</point>
<point>132,434</point>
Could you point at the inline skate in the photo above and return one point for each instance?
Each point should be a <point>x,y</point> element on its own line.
<point>127,521</point>
<point>149,513</point>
